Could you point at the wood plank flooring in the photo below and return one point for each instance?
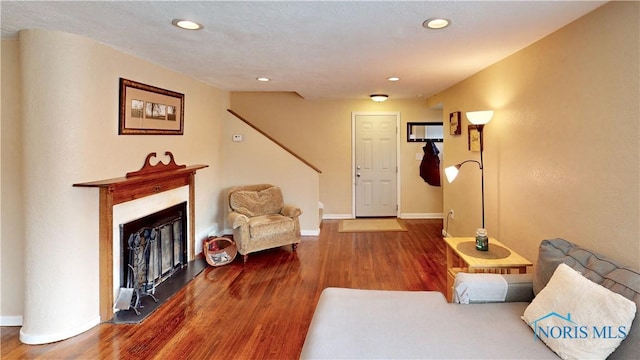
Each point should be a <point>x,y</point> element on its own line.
<point>260,310</point>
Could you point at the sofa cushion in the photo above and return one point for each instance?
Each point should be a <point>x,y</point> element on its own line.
<point>578,318</point>
<point>256,203</point>
<point>384,324</point>
<point>267,225</point>
<point>599,269</point>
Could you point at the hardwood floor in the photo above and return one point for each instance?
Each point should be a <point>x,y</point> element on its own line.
<point>260,310</point>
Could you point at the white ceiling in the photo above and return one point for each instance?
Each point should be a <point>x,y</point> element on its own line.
<point>330,49</point>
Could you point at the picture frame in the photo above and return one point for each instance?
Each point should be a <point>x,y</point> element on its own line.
<point>474,138</point>
<point>455,125</point>
<point>149,110</point>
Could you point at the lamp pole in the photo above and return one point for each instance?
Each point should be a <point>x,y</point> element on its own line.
<point>481,166</point>
<point>480,128</point>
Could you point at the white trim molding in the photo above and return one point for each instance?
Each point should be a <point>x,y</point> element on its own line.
<point>422,216</point>
<point>49,338</point>
<point>11,320</point>
<point>336,216</point>
<point>303,232</point>
<point>315,232</point>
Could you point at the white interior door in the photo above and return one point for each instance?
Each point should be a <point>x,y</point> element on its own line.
<point>375,164</point>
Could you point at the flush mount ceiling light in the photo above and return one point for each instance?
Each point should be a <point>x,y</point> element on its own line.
<point>186,24</point>
<point>436,23</point>
<point>393,78</point>
<point>263,79</point>
<point>379,97</point>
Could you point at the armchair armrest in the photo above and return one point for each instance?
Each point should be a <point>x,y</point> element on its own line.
<point>290,211</point>
<point>236,219</point>
<point>483,288</point>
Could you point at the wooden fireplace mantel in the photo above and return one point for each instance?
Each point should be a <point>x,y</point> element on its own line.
<point>149,180</point>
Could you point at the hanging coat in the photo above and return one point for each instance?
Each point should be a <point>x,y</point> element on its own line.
<point>430,165</point>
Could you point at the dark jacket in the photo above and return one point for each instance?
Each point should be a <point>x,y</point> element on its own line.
<point>430,166</point>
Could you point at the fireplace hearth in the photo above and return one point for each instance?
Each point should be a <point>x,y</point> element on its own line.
<point>163,292</point>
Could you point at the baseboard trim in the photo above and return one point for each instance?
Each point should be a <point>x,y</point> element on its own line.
<point>303,232</point>
<point>336,216</point>
<point>11,320</point>
<point>402,216</point>
<point>31,339</point>
<point>422,216</point>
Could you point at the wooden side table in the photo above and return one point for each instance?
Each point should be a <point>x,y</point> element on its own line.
<point>463,256</point>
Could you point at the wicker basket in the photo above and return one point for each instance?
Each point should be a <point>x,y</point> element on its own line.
<point>219,251</point>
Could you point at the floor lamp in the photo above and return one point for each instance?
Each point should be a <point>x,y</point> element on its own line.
<point>479,119</point>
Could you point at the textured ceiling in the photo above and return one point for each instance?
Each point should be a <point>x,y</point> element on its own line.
<point>330,49</point>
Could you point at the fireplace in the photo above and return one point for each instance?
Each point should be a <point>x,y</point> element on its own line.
<point>153,248</point>
<point>147,183</point>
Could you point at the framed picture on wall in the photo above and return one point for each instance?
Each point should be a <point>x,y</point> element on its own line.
<point>149,110</point>
<point>474,138</point>
<point>455,127</point>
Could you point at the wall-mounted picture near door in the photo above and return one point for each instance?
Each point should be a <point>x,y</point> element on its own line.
<point>455,125</point>
<point>149,110</point>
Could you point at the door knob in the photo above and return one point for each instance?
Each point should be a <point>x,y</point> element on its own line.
<point>358,174</point>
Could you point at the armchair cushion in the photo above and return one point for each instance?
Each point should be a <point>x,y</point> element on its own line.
<point>264,225</point>
<point>257,203</point>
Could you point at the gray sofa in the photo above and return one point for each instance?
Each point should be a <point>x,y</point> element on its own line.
<point>376,324</point>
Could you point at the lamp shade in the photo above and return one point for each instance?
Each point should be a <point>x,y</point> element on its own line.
<point>479,117</point>
<point>451,172</point>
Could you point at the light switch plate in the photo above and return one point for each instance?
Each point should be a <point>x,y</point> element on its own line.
<point>237,138</point>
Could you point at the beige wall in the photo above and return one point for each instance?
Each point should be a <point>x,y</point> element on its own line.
<point>69,134</point>
<point>562,150</point>
<point>319,130</point>
<point>258,160</point>
<point>11,209</point>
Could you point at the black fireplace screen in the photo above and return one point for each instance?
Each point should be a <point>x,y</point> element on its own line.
<point>153,248</point>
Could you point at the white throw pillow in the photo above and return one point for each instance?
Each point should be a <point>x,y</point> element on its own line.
<point>577,318</point>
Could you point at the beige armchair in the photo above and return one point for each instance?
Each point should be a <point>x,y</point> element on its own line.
<point>261,220</point>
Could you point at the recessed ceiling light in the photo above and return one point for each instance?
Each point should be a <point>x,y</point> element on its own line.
<point>393,78</point>
<point>436,23</point>
<point>186,24</point>
<point>263,79</point>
